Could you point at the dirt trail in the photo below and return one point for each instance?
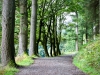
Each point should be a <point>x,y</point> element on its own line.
<point>61,65</point>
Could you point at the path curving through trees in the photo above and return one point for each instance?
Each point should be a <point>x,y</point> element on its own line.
<point>61,65</point>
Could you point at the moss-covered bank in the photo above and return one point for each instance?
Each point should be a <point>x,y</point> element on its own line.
<point>88,58</point>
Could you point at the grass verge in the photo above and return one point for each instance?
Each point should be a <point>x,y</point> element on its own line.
<point>70,53</point>
<point>8,71</point>
<point>88,58</point>
<point>22,61</point>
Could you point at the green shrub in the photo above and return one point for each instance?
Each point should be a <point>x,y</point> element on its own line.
<point>23,61</point>
<point>88,58</point>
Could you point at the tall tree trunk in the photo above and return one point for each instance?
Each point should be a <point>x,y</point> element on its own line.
<point>94,22</point>
<point>50,36</point>
<point>23,35</point>
<point>53,32</point>
<point>99,16</point>
<point>33,28</point>
<point>45,44</point>
<point>8,24</point>
<point>59,32</point>
<point>76,41</point>
<point>81,40</point>
<point>51,46</point>
<point>87,37</point>
<point>56,38</point>
<point>39,38</point>
<point>58,50</point>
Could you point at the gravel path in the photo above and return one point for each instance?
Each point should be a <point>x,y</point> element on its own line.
<point>51,66</point>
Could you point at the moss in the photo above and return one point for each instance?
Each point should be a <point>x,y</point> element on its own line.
<point>88,58</point>
<point>11,69</point>
<point>24,60</point>
<point>11,63</point>
<point>2,71</point>
<point>7,70</point>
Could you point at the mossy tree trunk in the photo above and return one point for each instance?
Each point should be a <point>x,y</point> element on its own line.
<point>33,28</point>
<point>8,25</point>
<point>76,40</point>
<point>39,36</point>
<point>44,43</point>
<point>53,32</point>
<point>99,16</point>
<point>23,35</point>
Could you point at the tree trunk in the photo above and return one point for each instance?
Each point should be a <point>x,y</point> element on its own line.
<point>53,40</point>
<point>56,38</point>
<point>8,24</point>
<point>44,43</point>
<point>51,45</point>
<point>39,38</point>
<point>87,37</point>
<point>23,35</point>
<point>50,38</point>
<point>76,41</point>
<point>94,22</point>
<point>58,50</point>
<point>33,28</point>
<point>99,16</point>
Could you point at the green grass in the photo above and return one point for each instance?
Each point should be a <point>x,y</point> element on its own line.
<point>22,61</point>
<point>70,52</point>
<point>8,70</point>
<point>88,58</point>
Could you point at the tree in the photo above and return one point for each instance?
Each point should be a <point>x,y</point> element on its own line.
<point>8,24</point>
<point>33,28</point>
<point>91,19</point>
<point>23,35</point>
<point>48,12</point>
<point>99,16</point>
<point>76,40</point>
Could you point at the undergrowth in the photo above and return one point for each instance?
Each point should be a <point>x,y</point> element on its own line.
<point>24,60</point>
<point>8,71</point>
<point>21,61</point>
<point>88,58</point>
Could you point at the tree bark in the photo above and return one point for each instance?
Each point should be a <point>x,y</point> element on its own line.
<point>45,46</point>
<point>23,35</point>
<point>87,37</point>
<point>8,24</point>
<point>99,16</point>
<point>51,46</point>
<point>39,38</point>
<point>58,50</point>
<point>76,41</point>
<point>53,32</point>
<point>33,28</point>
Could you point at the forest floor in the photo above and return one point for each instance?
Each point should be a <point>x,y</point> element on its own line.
<point>61,65</point>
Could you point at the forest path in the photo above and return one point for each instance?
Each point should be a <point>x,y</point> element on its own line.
<point>61,65</point>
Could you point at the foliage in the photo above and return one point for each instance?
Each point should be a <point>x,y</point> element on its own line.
<point>0,27</point>
<point>8,71</point>
<point>70,53</point>
<point>88,58</point>
<point>24,60</point>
